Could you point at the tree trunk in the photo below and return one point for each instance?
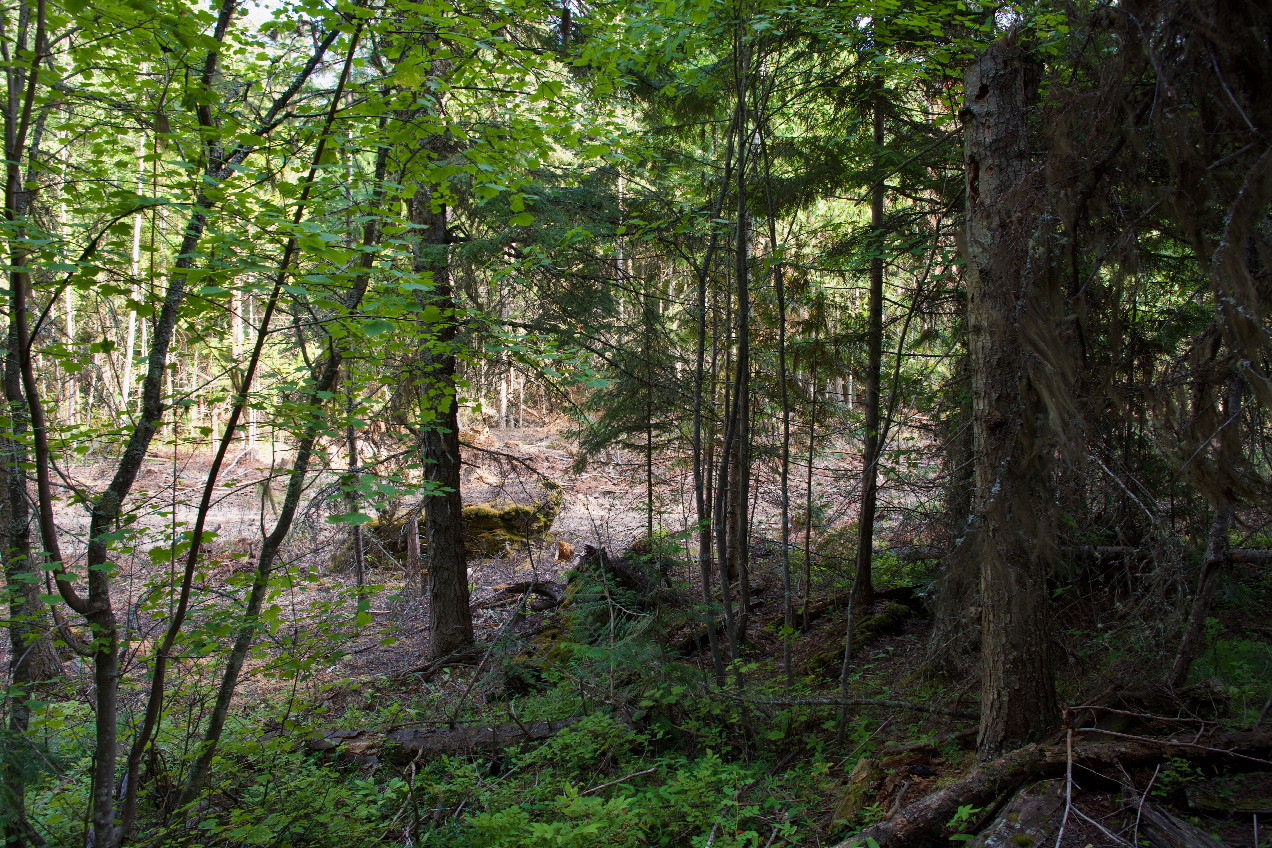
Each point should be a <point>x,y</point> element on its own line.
<point>353,480</point>
<point>863,585</point>
<point>1018,700</point>
<point>742,392</point>
<point>1216,546</point>
<point>956,623</point>
<point>450,622</point>
<point>31,654</point>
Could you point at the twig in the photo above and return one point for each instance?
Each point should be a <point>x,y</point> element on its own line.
<point>493,644</point>
<point>1119,840</point>
<point>787,817</point>
<point>620,780</point>
<point>1139,810</point>
<point>1068,785</point>
<point>896,806</point>
<point>866,741</point>
<point>1145,716</point>
<point>1175,744</point>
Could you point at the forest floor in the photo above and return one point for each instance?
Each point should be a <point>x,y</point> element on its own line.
<point>603,506</point>
<point>336,656</point>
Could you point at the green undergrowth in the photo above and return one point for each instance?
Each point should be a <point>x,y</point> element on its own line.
<point>684,775</point>
<point>658,754</point>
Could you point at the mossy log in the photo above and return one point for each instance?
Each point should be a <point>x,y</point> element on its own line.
<point>492,528</point>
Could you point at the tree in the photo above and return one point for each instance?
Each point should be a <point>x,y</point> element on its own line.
<point>1018,700</point>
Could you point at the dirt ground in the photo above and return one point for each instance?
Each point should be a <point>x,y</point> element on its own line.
<point>315,608</point>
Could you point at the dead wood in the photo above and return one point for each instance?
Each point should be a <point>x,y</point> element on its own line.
<point>412,744</point>
<point>1166,831</point>
<point>552,592</point>
<point>926,816</point>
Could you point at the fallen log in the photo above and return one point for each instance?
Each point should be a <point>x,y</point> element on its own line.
<point>552,593</point>
<point>926,816</point>
<point>1166,831</point>
<point>408,744</point>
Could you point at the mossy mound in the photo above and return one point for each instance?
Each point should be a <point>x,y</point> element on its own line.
<point>490,529</point>
<point>864,631</point>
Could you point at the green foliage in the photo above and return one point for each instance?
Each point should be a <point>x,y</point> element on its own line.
<point>960,821</point>
<point>296,802</point>
<point>1175,774</point>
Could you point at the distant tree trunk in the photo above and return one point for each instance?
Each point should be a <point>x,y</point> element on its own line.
<point>134,267</point>
<point>863,585</point>
<point>353,479</point>
<point>956,625</point>
<point>742,377</point>
<point>450,621</point>
<point>1018,700</point>
<point>808,485</point>
<point>702,455</point>
<point>503,400</point>
<point>779,284</point>
<point>648,315</point>
<point>412,551</point>
<point>1216,546</point>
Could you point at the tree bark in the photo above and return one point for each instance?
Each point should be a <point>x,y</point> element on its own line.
<point>956,623</point>
<point>450,621</point>
<point>862,583</point>
<point>1018,700</point>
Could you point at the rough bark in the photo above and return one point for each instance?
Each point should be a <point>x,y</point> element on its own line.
<point>450,622</point>
<point>1018,701</point>
<point>31,654</point>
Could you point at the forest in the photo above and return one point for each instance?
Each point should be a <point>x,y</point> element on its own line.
<point>719,423</point>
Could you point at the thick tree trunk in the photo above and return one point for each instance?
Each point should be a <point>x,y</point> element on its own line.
<point>450,622</point>
<point>1018,700</point>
